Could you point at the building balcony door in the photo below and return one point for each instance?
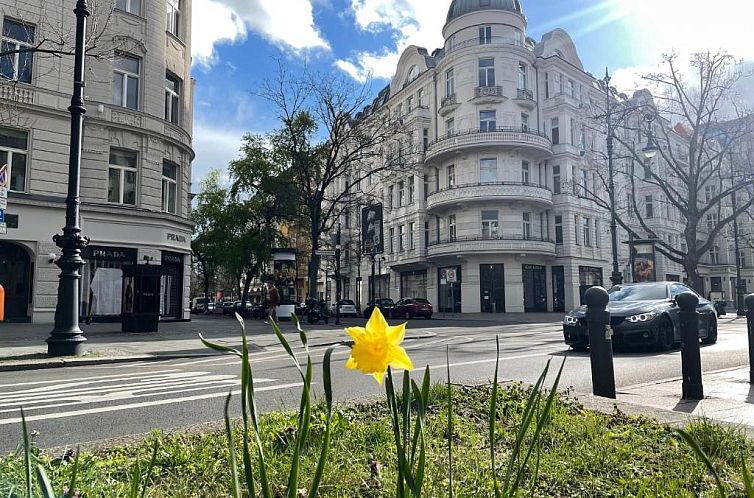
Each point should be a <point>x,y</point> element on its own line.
<point>492,288</point>
<point>535,288</point>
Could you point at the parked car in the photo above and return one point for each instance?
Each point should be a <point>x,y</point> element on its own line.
<point>411,307</point>
<point>643,314</point>
<point>347,308</point>
<point>200,304</point>
<point>385,304</point>
<point>229,307</point>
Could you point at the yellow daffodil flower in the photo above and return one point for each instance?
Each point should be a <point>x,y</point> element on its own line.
<point>376,346</point>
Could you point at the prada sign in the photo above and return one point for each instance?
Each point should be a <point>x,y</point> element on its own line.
<point>110,253</point>
<point>176,237</point>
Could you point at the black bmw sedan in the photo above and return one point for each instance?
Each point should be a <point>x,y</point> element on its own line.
<point>643,314</point>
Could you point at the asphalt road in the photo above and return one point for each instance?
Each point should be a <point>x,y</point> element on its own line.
<point>82,404</point>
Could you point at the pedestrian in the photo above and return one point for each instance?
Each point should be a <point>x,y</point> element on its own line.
<point>273,297</point>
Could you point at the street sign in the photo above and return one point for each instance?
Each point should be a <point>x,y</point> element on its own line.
<point>451,276</point>
<point>325,252</point>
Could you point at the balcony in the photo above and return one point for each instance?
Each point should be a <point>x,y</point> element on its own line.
<point>490,191</point>
<point>418,112</point>
<point>525,98</point>
<point>532,141</point>
<point>488,95</point>
<point>448,104</point>
<point>16,92</point>
<point>478,244</point>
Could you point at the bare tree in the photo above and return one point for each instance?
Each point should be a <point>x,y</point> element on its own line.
<point>683,121</point>
<point>332,139</point>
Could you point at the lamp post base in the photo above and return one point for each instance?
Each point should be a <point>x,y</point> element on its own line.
<point>68,343</point>
<point>616,278</point>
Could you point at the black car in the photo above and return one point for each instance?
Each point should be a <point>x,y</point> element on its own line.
<point>385,304</point>
<point>643,314</point>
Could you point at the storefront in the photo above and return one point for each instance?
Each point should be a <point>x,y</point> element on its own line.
<point>535,288</point>
<point>16,270</point>
<point>449,295</point>
<point>171,286</point>
<point>414,284</point>
<point>492,288</point>
<point>102,281</point>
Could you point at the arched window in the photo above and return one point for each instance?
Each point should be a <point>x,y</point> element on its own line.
<point>412,74</point>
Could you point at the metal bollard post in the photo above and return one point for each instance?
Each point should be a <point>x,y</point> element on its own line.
<point>691,360</point>
<point>600,342</point>
<point>749,302</point>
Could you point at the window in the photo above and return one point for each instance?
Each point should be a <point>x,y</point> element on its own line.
<point>711,220</point>
<point>487,170</point>
<point>649,206</point>
<point>13,150</point>
<point>586,230</point>
<point>174,17</point>
<point>577,239</point>
<point>583,178</point>
<point>346,218</point>
<point>487,72</point>
<point>437,228</point>
<point>714,255</point>
<point>126,81</point>
<point>17,36</point>
<point>170,187</point>
<point>485,35</point>
<point>392,239</point>
<point>425,138</point>
<point>450,126</point>
<point>390,196</point>
<point>489,224</point>
<point>409,104</point>
<point>573,131</point>
<point>172,98</point>
<point>401,193</point>
<point>524,122</point>
<point>411,189</point>
<point>571,89</point>
<point>525,172</point>
<point>523,79</point>
<point>450,83</point>
<point>709,192</point>
<point>558,229</point>
<point>630,204</point>
<point>437,179</point>
<point>401,238</point>
<point>556,179</point>
<point>487,121</point>
<point>420,98</point>
<point>450,176</point>
<point>411,244</point>
<point>555,131</point>
<point>547,85</point>
<point>426,234</point>
<point>121,177</point>
<point>526,225</point>
<point>452,227</point>
<point>426,186</point>
<point>131,6</point>
<point>597,234</point>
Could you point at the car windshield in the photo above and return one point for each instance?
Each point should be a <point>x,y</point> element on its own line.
<point>421,301</point>
<point>346,302</point>
<point>639,293</point>
<point>385,302</point>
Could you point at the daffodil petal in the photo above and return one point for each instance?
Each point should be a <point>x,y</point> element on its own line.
<point>396,333</point>
<point>351,363</point>
<point>377,322</point>
<point>356,332</point>
<point>379,376</point>
<point>399,358</point>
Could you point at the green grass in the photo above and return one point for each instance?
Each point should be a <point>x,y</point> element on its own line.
<point>584,454</point>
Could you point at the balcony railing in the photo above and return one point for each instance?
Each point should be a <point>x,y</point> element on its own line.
<point>485,191</point>
<point>512,237</point>
<point>477,42</point>
<point>488,91</point>
<point>512,136</point>
<point>524,94</point>
<point>448,100</point>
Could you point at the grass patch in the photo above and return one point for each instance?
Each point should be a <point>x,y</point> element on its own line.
<point>584,454</point>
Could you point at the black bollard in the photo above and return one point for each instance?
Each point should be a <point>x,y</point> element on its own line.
<point>600,342</point>
<point>749,302</point>
<point>691,360</point>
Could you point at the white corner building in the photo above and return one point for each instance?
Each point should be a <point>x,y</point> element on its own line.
<point>497,217</point>
<point>136,159</point>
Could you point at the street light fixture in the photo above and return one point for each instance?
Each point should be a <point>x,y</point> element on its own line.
<point>66,337</point>
<point>650,150</point>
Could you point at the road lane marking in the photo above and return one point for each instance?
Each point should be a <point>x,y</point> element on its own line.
<point>129,406</point>
<point>79,379</point>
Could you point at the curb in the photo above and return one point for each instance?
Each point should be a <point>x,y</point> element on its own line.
<point>109,360</point>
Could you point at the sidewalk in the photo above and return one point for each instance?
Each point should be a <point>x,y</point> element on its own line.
<point>728,399</point>
<point>22,345</point>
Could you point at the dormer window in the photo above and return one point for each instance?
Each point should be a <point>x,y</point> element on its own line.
<point>413,73</point>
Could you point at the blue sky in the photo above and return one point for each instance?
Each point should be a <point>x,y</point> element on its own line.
<point>235,44</point>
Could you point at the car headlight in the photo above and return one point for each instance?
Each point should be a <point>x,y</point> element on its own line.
<point>644,317</point>
<point>570,320</point>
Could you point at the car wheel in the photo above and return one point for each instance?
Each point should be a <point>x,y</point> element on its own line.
<point>665,335</point>
<point>711,331</point>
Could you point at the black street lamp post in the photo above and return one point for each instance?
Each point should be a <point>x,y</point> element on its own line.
<point>740,310</point>
<point>337,277</point>
<point>617,277</point>
<point>66,337</point>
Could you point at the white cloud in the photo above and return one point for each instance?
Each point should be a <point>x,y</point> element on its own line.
<point>287,23</point>
<point>215,147</point>
<point>418,22</point>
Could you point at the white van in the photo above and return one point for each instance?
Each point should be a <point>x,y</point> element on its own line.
<point>199,304</point>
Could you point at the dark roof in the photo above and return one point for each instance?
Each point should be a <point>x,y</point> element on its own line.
<point>461,7</point>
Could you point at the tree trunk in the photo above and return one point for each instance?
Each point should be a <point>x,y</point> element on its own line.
<point>313,273</point>
<point>246,285</point>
